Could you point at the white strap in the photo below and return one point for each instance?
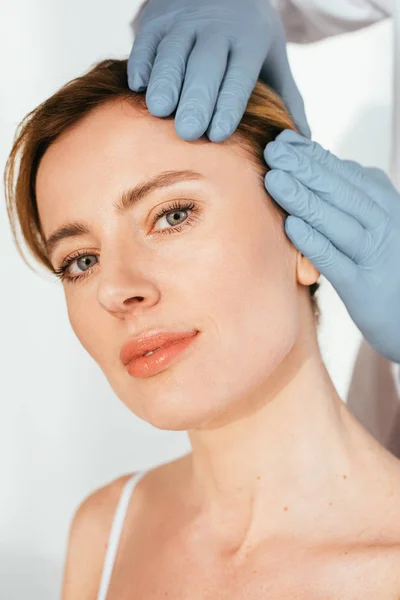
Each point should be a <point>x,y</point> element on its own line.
<point>115,533</point>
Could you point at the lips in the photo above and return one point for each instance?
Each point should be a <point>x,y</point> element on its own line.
<point>150,342</point>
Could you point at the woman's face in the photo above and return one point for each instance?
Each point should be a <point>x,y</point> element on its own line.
<point>223,267</point>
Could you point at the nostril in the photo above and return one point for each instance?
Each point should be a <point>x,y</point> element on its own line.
<point>133,300</point>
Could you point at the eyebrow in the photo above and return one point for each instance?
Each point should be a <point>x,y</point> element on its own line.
<point>123,204</point>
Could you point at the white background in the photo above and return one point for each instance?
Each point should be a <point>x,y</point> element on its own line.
<point>63,432</point>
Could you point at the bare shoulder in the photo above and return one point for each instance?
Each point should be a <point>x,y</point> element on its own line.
<point>91,524</point>
<point>87,542</point>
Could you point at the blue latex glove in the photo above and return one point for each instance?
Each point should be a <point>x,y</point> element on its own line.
<point>182,49</point>
<point>345,219</point>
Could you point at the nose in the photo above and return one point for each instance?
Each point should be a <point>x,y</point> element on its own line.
<point>123,288</point>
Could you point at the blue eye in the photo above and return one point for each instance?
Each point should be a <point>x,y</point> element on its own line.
<point>174,208</point>
<point>63,272</point>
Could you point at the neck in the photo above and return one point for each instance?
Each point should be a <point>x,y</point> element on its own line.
<point>288,458</point>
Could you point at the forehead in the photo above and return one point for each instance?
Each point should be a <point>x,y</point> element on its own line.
<point>117,139</point>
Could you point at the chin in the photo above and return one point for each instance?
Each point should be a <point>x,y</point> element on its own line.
<point>177,414</point>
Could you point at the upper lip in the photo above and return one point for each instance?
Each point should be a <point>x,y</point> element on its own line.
<point>146,342</point>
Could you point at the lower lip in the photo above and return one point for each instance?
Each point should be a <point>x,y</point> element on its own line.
<point>146,366</point>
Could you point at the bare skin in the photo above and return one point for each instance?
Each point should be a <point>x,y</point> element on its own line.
<point>341,541</point>
<point>284,494</point>
<point>172,547</point>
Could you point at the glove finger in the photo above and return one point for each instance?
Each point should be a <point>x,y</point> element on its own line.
<point>277,73</point>
<point>368,179</point>
<point>332,188</point>
<point>141,59</point>
<point>345,232</point>
<point>169,71</point>
<point>238,83</point>
<point>331,263</point>
<point>204,72</point>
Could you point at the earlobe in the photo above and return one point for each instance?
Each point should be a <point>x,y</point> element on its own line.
<point>306,273</point>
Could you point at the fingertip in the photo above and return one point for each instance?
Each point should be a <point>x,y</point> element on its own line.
<point>136,82</point>
<point>159,105</point>
<point>222,126</point>
<point>218,134</point>
<point>189,128</point>
<point>268,152</point>
<point>191,121</point>
<point>289,135</point>
<point>140,61</point>
<point>272,176</point>
<point>297,229</point>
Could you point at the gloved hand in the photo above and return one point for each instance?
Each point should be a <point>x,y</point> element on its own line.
<point>345,219</point>
<point>190,47</point>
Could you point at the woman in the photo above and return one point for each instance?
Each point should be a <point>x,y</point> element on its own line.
<point>284,493</point>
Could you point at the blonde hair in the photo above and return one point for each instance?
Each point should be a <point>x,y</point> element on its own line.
<point>265,117</point>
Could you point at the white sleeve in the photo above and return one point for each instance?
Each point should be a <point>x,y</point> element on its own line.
<point>396,377</point>
<point>312,20</point>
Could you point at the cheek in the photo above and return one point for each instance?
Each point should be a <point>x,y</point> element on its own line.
<point>254,299</point>
<point>84,317</point>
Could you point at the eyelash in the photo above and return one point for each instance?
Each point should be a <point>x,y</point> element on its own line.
<point>62,271</point>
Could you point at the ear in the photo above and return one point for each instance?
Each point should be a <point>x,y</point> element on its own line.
<point>306,273</point>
